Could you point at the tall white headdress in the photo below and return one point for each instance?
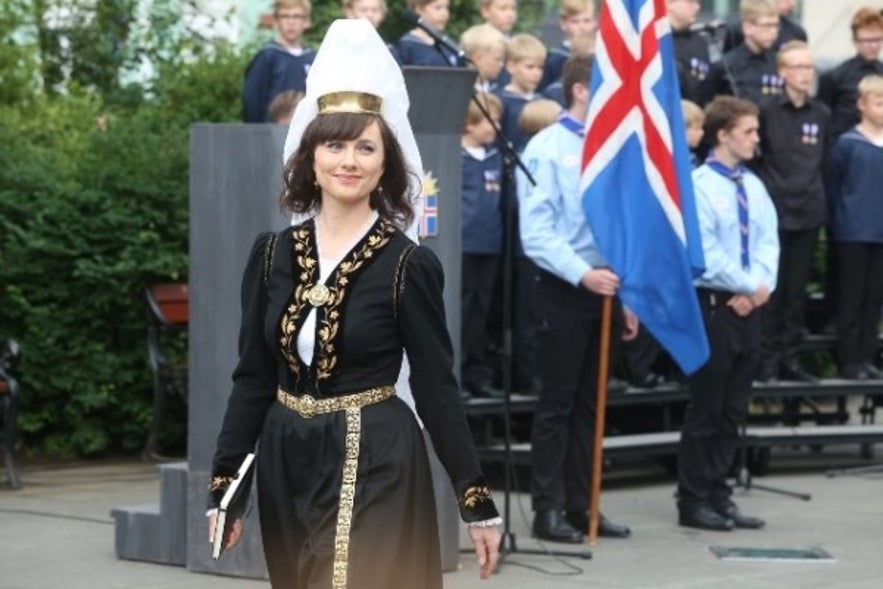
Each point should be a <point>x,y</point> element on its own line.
<point>354,72</point>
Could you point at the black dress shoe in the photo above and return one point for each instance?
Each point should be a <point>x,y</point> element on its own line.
<point>704,518</point>
<point>550,525</point>
<point>731,511</point>
<point>606,528</point>
<point>648,381</point>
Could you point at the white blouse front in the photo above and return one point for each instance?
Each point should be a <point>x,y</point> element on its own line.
<point>306,338</point>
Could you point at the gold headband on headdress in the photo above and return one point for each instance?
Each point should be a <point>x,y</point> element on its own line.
<point>349,102</point>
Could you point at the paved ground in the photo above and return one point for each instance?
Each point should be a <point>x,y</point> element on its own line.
<point>57,531</point>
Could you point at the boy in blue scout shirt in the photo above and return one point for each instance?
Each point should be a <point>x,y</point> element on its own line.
<point>740,242</point>
<point>569,288</point>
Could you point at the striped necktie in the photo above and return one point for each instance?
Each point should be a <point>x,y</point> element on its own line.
<point>742,203</point>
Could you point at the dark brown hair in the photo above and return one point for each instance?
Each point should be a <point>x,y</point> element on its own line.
<point>300,193</point>
<point>723,113</point>
<point>577,70</point>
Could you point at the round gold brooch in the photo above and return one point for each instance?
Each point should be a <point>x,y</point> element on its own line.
<point>318,295</point>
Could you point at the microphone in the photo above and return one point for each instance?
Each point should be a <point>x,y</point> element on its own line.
<point>416,20</point>
<point>710,26</point>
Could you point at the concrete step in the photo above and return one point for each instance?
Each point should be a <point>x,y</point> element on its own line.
<point>156,532</point>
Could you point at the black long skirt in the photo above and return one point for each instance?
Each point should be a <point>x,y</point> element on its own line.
<point>393,538</point>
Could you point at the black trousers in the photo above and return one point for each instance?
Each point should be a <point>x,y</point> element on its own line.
<point>861,294</point>
<point>567,361</point>
<point>718,404</point>
<point>784,315</point>
<point>477,287</point>
<point>524,323</point>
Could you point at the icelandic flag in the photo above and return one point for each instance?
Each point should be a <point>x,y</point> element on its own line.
<point>636,184</point>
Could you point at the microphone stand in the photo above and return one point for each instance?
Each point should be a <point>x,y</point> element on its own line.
<point>511,159</point>
<point>442,41</point>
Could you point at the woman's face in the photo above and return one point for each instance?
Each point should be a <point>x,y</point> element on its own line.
<point>349,170</point>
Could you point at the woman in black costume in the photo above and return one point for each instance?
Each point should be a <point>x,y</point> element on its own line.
<point>328,307</point>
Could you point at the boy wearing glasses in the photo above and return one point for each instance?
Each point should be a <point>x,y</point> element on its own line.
<point>838,87</point>
<point>749,71</point>
<point>282,64</point>
<point>793,137</point>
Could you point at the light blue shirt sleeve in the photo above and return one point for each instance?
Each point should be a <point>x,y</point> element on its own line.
<point>764,236</point>
<point>542,210</point>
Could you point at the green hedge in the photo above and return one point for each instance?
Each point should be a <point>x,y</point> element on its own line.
<point>93,206</point>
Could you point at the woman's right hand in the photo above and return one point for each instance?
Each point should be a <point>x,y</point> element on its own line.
<point>235,530</point>
<point>487,548</point>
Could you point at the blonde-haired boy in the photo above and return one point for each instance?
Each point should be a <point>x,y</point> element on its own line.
<point>282,64</point>
<point>482,239</point>
<point>581,45</point>
<point>855,174</point>
<point>749,70</point>
<point>576,18</point>
<point>694,119</point>
<point>793,136</point>
<point>373,10</point>
<point>501,14</point>
<point>485,46</point>
<point>525,55</point>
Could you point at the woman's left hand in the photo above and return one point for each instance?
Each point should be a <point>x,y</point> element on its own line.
<point>487,548</point>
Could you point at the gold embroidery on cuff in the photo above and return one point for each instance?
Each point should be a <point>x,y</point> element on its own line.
<point>219,483</point>
<point>475,495</point>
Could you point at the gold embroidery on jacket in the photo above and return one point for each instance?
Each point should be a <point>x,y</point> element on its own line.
<point>305,260</point>
<point>329,321</point>
<point>326,299</point>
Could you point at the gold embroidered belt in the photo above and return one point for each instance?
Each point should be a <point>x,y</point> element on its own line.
<point>308,407</point>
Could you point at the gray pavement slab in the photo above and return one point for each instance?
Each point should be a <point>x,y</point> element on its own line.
<point>57,531</point>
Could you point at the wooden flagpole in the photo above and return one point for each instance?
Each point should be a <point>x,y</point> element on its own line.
<point>600,412</point>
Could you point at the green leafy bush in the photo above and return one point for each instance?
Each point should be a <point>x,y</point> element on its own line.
<point>93,206</point>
